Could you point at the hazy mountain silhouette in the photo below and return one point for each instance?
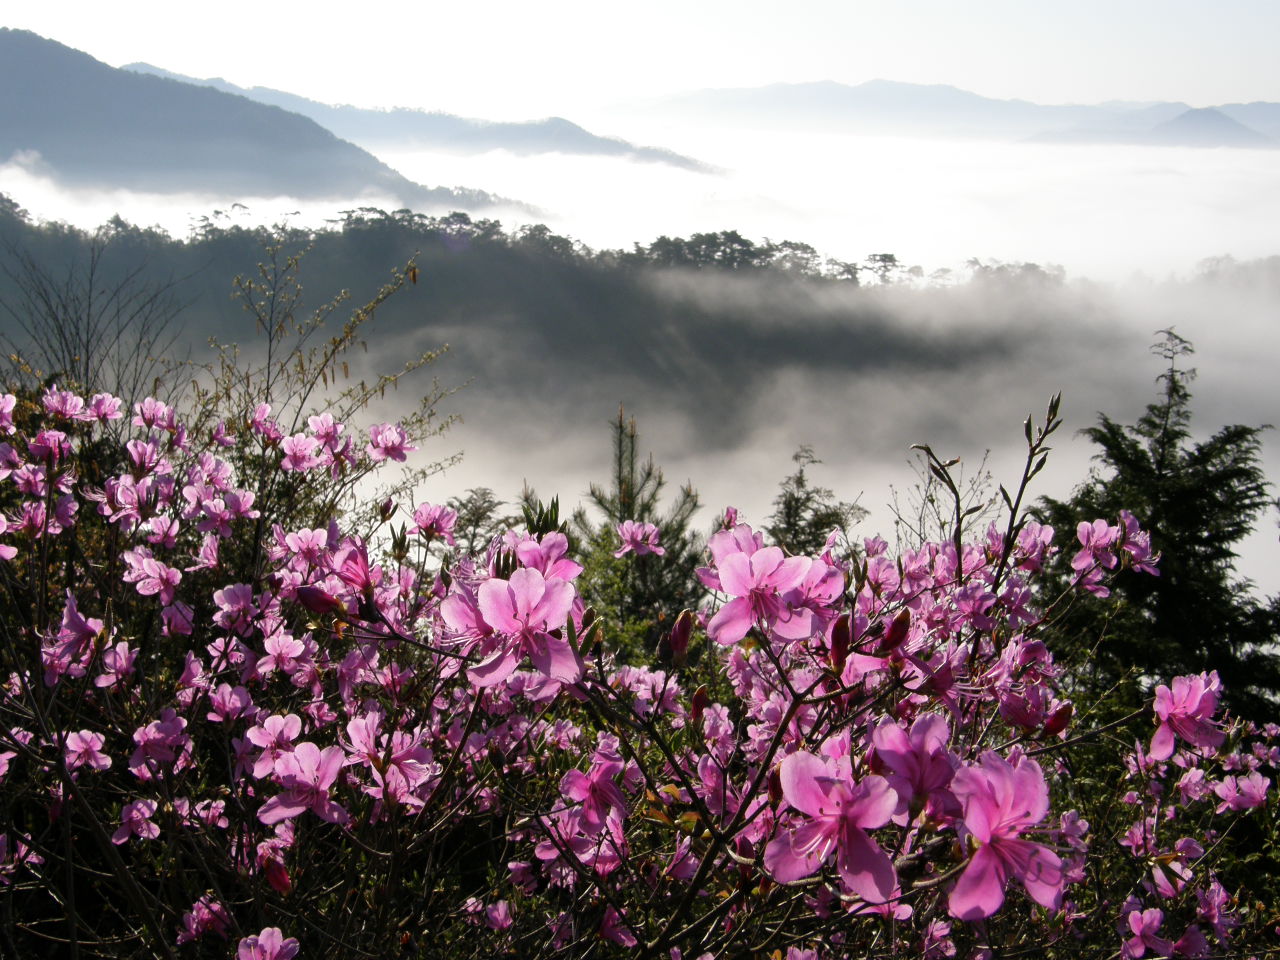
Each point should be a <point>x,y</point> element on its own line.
<point>86,123</point>
<point>1207,127</point>
<point>1188,127</point>
<point>441,131</point>
<point>1259,115</point>
<point>932,110</point>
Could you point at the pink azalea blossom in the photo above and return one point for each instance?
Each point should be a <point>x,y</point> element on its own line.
<point>274,736</point>
<point>388,441</point>
<point>1242,793</point>
<point>135,821</point>
<point>7,404</point>
<point>103,407</point>
<point>307,774</point>
<point>1143,924</point>
<point>641,538</point>
<point>1000,802</point>
<point>62,403</point>
<point>756,582</point>
<point>205,915</point>
<point>84,749</point>
<point>432,520</point>
<point>596,791</point>
<point>838,813</point>
<point>1186,710</point>
<point>270,944</point>
<point>299,452</point>
<point>525,610</point>
<point>920,762</point>
<point>497,916</point>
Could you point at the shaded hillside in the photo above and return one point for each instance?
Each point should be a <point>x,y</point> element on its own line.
<point>442,131</point>
<point>527,309</point>
<point>92,124</point>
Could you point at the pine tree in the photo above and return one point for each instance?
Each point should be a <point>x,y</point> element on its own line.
<point>1198,500</point>
<point>804,515</point>
<point>638,596</point>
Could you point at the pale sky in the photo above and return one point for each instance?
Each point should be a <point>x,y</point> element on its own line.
<point>501,59</point>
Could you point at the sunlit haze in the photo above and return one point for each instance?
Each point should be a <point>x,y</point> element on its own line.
<point>512,60</point>
<point>1135,219</point>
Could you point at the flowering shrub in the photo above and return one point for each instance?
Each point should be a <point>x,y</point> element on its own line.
<point>223,737</point>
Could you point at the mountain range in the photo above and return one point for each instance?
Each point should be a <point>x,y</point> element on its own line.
<point>88,124</point>
<point>938,110</point>
<point>142,128</point>
<point>431,130</point>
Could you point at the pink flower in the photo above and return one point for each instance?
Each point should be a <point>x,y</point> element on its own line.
<point>7,404</point>
<point>205,914</point>
<point>236,608</point>
<point>274,736</point>
<point>1001,801</point>
<point>153,577</point>
<point>388,441</point>
<point>497,916</point>
<point>524,610</point>
<point>117,665</point>
<point>614,927</point>
<point>152,413</point>
<point>1186,710</point>
<point>306,775</point>
<point>839,813</point>
<point>262,424</point>
<point>62,403</point>
<point>102,407</point>
<point>432,520</point>
<point>596,791</point>
<point>639,537</point>
<point>1144,924</point>
<point>1242,793</point>
<point>921,763</point>
<point>270,944</point>
<point>756,582</point>
<point>84,749</point>
<point>299,452</point>
<point>326,429</point>
<point>160,744</point>
<point>228,703</point>
<point>135,820</point>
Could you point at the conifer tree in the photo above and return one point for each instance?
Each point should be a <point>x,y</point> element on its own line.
<point>804,515</point>
<point>1199,500</point>
<point>638,595</point>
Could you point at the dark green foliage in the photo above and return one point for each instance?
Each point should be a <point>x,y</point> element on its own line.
<point>1198,500</point>
<point>804,515</point>
<point>480,519</point>
<point>639,597</point>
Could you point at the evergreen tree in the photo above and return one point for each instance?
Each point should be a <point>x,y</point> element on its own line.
<point>804,515</point>
<point>1198,500</point>
<point>639,596</point>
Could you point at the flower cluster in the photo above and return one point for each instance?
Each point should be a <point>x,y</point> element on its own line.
<point>219,726</point>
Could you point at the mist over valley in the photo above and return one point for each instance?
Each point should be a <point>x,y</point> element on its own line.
<point>1034,250</point>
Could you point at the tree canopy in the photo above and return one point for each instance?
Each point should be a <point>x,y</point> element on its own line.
<point>1199,500</point>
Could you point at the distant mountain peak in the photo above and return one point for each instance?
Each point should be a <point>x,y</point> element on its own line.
<point>96,125</point>
<point>406,126</point>
<point>1208,126</point>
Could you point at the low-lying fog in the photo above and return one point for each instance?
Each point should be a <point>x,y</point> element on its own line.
<point>1134,221</point>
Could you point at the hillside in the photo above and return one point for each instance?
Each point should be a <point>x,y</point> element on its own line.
<point>441,131</point>
<point>88,124</point>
